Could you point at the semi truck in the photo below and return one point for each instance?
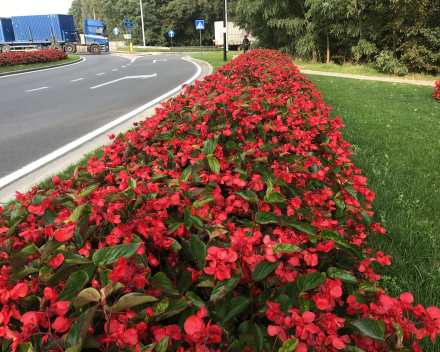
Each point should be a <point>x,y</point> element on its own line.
<point>235,35</point>
<point>25,33</point>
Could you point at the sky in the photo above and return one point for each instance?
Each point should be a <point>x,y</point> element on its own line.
<point>10,8</point>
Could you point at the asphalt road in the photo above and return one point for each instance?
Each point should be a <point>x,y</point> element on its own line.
<point>45,110</point>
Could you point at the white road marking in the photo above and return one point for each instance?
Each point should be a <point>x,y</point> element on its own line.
<point>33,90</point>
<point>57,153</point>
<point>123,66</point>
<point>99,74</point>
<point>46,69</point>
<point>154,61</point>
<point>79,79</point>
<point>115,69</point>
<point>128,77</point>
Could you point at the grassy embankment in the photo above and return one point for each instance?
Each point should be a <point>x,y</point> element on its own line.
<point>70,58</point>
<point>394,129</point>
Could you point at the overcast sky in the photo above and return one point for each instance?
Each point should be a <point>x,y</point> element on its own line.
<point>10,8</point>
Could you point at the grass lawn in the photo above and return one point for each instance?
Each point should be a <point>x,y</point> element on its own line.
<point>175,50</point>
<point>359,70</point>
<point>70,58</point>
<point>216,59</point>
<point>395,133</point>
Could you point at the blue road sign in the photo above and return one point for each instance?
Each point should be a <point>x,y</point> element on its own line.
<point>128,26</point>
<point>116,30</point>
<point>171,33</point>
<point>200,24</point>
<point>125,16</point>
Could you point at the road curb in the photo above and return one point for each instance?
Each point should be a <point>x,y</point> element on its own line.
<point>25,183</point>
<point>40,68</point>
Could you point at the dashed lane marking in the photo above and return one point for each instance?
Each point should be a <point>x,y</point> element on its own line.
<point>79,79</point>
<point>33,90</point>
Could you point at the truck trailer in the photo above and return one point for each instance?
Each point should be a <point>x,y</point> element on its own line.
<point>24,33</point>
<point>235,35</point>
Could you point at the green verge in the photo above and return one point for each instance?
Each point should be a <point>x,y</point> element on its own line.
<point>395,133</point>
<point>216,59</point>
<point>64,175</point>
<point>152,50</point>
<point>360,70</point>
<point>70,58</point>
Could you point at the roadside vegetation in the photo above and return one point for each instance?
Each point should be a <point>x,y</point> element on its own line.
<point>174,50</point>
<point>69,58</point>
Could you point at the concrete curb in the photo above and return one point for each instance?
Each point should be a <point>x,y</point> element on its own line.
<point>25,183</point>
<point>40,68</point>
<point>370,78</point>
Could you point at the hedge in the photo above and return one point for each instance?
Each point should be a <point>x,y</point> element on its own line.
<point>232,220</point>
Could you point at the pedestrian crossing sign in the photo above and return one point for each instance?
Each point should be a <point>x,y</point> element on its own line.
<point>200,24</point>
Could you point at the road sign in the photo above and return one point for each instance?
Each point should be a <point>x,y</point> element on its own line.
<point>125,16</point>
<point>116,30</point>
<point>128,26</point>
<point>171,33</point>
<point>200,24</point>
<point>127,36</point>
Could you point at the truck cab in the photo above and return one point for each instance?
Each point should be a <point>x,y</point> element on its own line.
<point>95,33</point>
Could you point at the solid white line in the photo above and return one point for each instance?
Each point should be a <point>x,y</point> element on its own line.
<point>115,69</point>
<point>79,79</point>
<point>120,79</point>
<point>46,69</point>
<point>59,152</point>
<point>154,61</point>
<point>99,74</point>
<point>33,90</point>
<point>123,66</point>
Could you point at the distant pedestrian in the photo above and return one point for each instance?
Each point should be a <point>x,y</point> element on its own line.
<point>246,44</point>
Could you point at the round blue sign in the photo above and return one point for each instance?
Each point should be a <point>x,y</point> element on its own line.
<point>171,33</point>
<point>116,30</point>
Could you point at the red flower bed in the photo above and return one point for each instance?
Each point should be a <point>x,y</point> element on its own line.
<point>231,220</point>
<point>31,57</point>
<point>437,90</point>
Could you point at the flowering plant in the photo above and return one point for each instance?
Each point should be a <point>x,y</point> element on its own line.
<point>31,57</point>
<point>232,220</point>
<point>437,90</point>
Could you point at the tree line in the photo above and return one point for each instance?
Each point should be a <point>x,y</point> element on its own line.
<point>160,16</point>
<point>395,36</point>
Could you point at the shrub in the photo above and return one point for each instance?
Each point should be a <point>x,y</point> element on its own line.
<point>437,90</point>
<point>31,57</point>
<point>233,219</point>
<point>386,64</point>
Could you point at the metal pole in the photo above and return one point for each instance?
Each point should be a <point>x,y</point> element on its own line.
<point>227,32</point>
<point>200,42</point>
<point>224,32</point>
<point>142,18</point>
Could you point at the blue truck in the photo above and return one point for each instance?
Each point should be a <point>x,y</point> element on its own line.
<point>25,33</point>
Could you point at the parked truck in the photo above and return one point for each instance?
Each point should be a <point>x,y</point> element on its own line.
<point>235,36</point>
<point>24,33</point>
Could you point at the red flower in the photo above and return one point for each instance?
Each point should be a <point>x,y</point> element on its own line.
<point>56,261</point>
<point>66,232</point>
<point>195,327</point>
<point>61,324</point>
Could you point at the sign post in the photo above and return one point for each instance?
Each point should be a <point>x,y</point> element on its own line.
<point>224,31</point>
<point>129,26</point>
<point>171,34</point>
<point>200,24</point>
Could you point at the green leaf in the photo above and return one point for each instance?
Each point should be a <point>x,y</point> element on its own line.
<point>367,287</point>
<point>399,331</point>
<point>262,132</point>
<point>149,347</point>
<point>263,269</point>
<point>72,258</point>
<point>204,200</point>
<point>330,235</point>
<point>248,195</point>
<point>75,282</point>
<point>174,227</point>
<point>344,276</point>
<point>206,283</point>
<point>262,171</point>
<point>49,217</point>
<point>209,146</point>
<point>235,306</point>
<point>25,252</point>
<point>87,191</point>
<point>266,147</point>
<point>131,183</point>
<point>24,347</point>
<point>201,254</point>
<point>303,227</point>
<point>224,287</point>
<point>355,349</point>
<point>196,300</point>
<point>214,164</point>
<point>110,255</point>
<point>286,248</point>
<point>175,307</point>
<point>196,220</point>
<point>369,328</point>
<point>366,219</point>
<point>309,281</point>
<point>289,345</point>
<point>258,339</point>
<point>352,192</point>
<point>265,104</point>
<point>265,218</point>
<point>130,300</point>
<point>303,304</point>
<point>164,284</point>
<point>162,345</point>
<point>87,295</point>
<point>274,197</point>
<point>185,175</point>
<point>79,211</point>
<point>23,273</point>
<point>230,145</point>
<point>78,332</point>
<point>81,229</point>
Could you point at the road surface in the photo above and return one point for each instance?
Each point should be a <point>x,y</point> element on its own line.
<point>43,111</point>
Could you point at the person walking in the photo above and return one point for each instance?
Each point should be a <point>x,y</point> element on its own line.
<point>246,44</point>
